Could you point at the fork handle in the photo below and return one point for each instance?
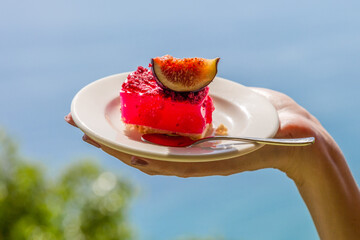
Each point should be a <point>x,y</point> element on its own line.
<point>271,141</point>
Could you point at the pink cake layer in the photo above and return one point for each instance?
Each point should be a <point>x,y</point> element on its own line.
<point>145,104</point>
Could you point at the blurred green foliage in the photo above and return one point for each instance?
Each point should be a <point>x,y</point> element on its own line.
<point>85,202</point>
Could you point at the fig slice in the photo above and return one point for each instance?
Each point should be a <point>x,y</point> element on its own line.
<point>184,74</point>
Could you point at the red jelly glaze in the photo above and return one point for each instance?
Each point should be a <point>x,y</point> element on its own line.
<point>166,140</point>
<point>144,102</point>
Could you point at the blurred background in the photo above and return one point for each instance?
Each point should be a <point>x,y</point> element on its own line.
<point>49,50</point>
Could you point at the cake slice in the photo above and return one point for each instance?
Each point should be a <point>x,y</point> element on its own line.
<point>153,109</point>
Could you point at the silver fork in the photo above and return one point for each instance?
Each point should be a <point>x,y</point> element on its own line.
<point>179,141</point>
<point>271,141</point>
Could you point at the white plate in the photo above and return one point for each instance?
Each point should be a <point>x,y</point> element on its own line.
<point>96,111</point>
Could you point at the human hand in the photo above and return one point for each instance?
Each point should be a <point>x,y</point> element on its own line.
<point>294,122</point>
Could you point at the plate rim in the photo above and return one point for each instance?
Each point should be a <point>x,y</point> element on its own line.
<point>165,157</point>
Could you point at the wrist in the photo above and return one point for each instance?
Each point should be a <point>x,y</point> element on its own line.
<point>328,188</point>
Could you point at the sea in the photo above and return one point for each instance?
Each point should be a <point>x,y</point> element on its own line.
<point>308,50</point>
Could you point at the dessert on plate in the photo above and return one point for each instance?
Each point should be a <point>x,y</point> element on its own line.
<point>171,98</point>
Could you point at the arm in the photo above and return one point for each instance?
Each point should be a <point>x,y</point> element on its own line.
<point>330,191</point>
<point>319,171</point>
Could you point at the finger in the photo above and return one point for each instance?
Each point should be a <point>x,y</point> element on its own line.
<point>146,165</point>
<point>87,139</point>
<point>68,118</point>
<point>283,102</point>
<point>249,162</point>
<point>124,157</point>
<point>149,166</point>
<point>277,99</point>
<point>181,169</point>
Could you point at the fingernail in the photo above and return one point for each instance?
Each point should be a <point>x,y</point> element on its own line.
<point>90,141</point>
<point>68,119</point>
<point>138,162</point>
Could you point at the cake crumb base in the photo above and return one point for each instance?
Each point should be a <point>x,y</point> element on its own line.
<point>221,130</point>
<point>147,130</point>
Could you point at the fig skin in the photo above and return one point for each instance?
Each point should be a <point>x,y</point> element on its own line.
<point>184,75</point>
